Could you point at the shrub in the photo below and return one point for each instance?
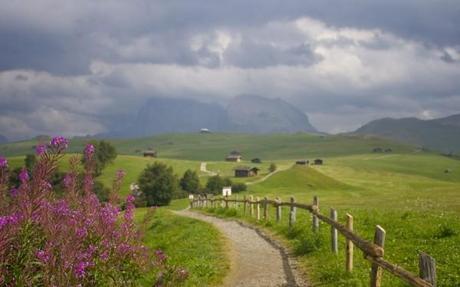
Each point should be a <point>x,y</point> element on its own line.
<point>158,183</point>
<point>71,241</point>
<point>272,167</point>
<point>216,183</point>
<point>104,154</point>
<point>239,187</point>
<point>190,182</point>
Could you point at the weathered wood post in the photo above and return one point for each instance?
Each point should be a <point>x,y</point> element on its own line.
<point>315,219</point>
<point>244,205</point>
<point>292,213</point>
<point>251,206</point>
<point>237,204</point>
<point>278,209</point>
<point>427,266</point>
<point>258,208</point>
<point>191,203</point>
<point>226,202</point>
<point>376,271</point>
<point>349,245</point>
<point>334,233</point>
<point>265,208</point>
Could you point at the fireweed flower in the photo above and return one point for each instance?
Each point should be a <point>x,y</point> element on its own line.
<point>40,149</point>
<point>59,143</point>
<point>3,162</point>
<point>14,192</point>
<point>24,176</point>
<point>89,151</point>
<point>43,256</point>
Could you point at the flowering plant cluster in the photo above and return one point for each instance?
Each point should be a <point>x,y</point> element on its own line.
<point>72,240</point>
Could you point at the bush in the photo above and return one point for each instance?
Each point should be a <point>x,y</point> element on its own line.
<point>190,182</point>
<point>272,167</point>
<point>71,241</point>
<point>239,187</point>
<point>158,183</point>
<point>216,183</point>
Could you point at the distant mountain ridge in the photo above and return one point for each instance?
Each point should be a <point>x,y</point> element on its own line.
<point>248,113</point>
<point>442,134</point>
<point>3,139</point>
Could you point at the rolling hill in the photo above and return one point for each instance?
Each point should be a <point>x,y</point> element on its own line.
<point>214,147</point>
<point>441,134</point>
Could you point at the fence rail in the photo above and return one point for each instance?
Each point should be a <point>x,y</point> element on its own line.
<point>373,250</point>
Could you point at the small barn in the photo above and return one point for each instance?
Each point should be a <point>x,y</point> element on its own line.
<point>388,150</point>
<point>233,157</point>
<point>302,162</point>
<point>377,149</point>
<point>150,153</point>
<point>245,171</point>
<point>205,131</point>
<point>256,160</point>
<point>318,161</point>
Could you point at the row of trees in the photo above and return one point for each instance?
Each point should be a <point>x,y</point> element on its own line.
<point>159,185</point>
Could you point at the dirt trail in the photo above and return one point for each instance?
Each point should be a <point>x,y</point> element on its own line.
<point>255,259</point>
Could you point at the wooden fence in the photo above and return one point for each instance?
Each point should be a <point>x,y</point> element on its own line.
<point>373,251</point>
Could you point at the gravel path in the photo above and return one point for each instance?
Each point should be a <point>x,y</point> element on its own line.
<point>255,259</point>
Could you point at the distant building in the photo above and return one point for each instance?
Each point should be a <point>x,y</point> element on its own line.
<point>245,171</point>
<point>388,150</point>
<point>235,152</point>
<point>302,162</point>
<point>318,161</point>
<point>205,131</point>
<point>377,149</point>
<point>256,160</point>
<point>234,158</point>
<point>150,153</point>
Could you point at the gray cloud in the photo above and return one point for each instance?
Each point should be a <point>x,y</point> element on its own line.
<point>73,66</point>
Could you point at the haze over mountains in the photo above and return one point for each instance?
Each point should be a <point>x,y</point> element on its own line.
<point>252,114</point>
<point>441,134</point>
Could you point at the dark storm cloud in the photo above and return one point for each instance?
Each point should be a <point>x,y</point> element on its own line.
<point>63,64</point>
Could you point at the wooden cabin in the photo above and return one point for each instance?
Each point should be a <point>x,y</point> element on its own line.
<point>256,160</point>
<point>245,171</point>
<point>318,161</point>
<point>150,153</point>
<point>302,162</point>
<point>234,158</point>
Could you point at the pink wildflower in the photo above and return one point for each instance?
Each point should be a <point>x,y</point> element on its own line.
<point>40,149</point>
<point>43,256</point>
<point>59,143</point>
<point>89,151</point>
<point>3,162</point>
<point>24,176</point>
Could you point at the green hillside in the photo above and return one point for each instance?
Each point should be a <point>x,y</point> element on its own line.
<point>214,147</point>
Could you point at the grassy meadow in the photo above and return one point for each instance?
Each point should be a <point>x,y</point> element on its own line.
<point>407,192</point>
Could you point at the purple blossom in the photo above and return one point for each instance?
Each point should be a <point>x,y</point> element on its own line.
<point>160,256</point>
<point>14,192</point>
<point>120,174</point>
<point>69,180</point>
<point>43,256</point>
<point>82,232</point>
<point>24,176</point>
<point>40,149</point>
<point>182,273</point>
<point>9,219</point>
<point>3,162</point>
<point>59,143</point>
<point>80,270</point>
<point>89,151</point>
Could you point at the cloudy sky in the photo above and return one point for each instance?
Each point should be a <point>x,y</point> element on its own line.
<point>68,67</point>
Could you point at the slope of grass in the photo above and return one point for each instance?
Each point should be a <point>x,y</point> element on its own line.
<point>409,195</point>
<point>214,147</point>
<point>188,243</point>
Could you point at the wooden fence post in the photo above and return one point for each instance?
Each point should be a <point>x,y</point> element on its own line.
<point>251,205</point>
<point>265,208</point>
<point>315,220</point>
<point>278,210</point>
<point>258,208</point>
<point>237,204</point>
<point>427,266</point>
<point>376,271</point>
<point>292,213</point>
<point>334,233</point>
<point>244,205</point>
<point>226,202</point>
<point>349,246</point>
